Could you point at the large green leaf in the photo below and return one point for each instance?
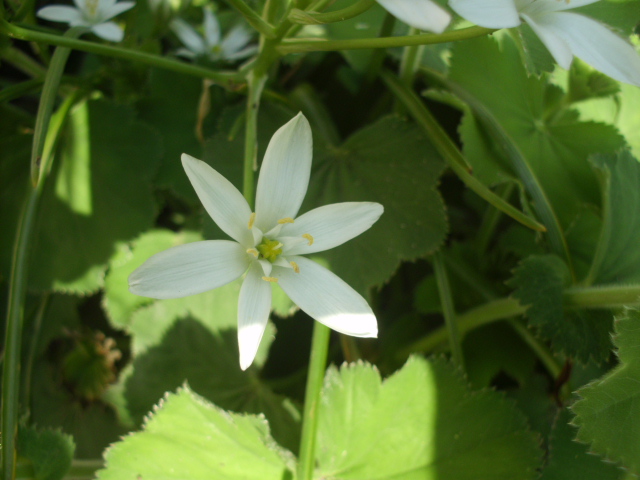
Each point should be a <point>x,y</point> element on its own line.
<point>555,146</point>
<point>187,437</point>
<point>570,460</point>
<point>539,282</point>
<point>392,163</point>
<point>617,258</point>
<point>421,423</point>
<point>50,452</point>
<point>609,406</point>
<point>209,363</point>
<point>99,193</point>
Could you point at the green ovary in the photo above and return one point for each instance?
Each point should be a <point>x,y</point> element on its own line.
<point>269,249</point>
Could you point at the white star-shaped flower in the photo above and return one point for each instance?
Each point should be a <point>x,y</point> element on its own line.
<point>268,245</point>
<point>564,34</point>
<point>93,14</point>
<point>232,47</point>
<point>420,14</point>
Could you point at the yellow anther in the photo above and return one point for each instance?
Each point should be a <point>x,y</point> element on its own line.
<point>285,220</point>
<point>295,266</point>
<point>253,251</point>
<point>309,238</point>
<point>252,219</point>
<point>270,279</point>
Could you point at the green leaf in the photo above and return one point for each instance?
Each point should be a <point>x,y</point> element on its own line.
<point>539,281</point>
<point>187,437</point>
<point>422,422</point>
<point>118,302</point>
<point>605,415</point>
<point>392,163</point>
<point>209,363</point>
<point>99,193</point>
<point>570,460</point>
<point>50,452</point>
<point>617,258</point>
<point>555,147</point>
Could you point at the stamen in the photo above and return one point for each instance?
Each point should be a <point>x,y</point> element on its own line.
<point>295,266</point>
<point>270,279</point>
<point>279,245</point>
<point>253,251</point>
<point>252,219</point>
<point>285,220</point>
<point>309,238</point>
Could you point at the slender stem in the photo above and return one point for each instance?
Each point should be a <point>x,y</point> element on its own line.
<point>448,310</point>
<point>317,365</point>
<point>253,19</point>
<point>378,56</point>
<point>542,352</point>
<point>614,296</point>
<point>256,85</point>
<point>35,338</point>
<point>450,152</point>
<point>47,99</point>
<point>313,18</point>
<point>300,46</point>
<point>226,79</point>
<point>20,89</point>
<point>23,62</point>
<point>408,65</point>
<point>317,5</point>
<point>491,218</point>
<point>17,294</point>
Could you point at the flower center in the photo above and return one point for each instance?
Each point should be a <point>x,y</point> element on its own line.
<point>91,8</point>
<point>269,249</point>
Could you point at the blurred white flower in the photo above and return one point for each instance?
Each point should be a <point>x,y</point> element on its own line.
<point>565,34</point>
<point>268,245</point>
<point>93,14</point>
<point>421,14</point>
<point>233,46</point>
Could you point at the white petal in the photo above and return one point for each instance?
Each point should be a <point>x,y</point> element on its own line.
<point>244,53</point>
<point>211,28</point>
<point>327,298</point>
<point>487,13</point>
<point>233,41</point>
<point>421,14</point>
<point>116,9</point>
<point>189,269</point>
<point>254,305</point>
<point>223,202</point>
<point>332,225</point>
<point>284,175</point>
<point>188,35</point>
<point>81,4</point>
<point>549,35</point>
<point>108,31</point>
<point>60,13</point>
<point>564,5</point>
<point>597,45</point>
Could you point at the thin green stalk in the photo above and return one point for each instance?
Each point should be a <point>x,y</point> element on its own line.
<point>253,19</point>
<point>23,62</point>
<point>491,218</point>
<point>316,6</point>
<point>450,152</point>
<point>302,46</point>
<point>448,310</point>
<point>470,276</point>
<point>225,79</point>
<point>378,57</point>
<point>33,347</point>
<point>408,65</point>
<point>255,84</point>
<point>20,89</point>
<point>47,99</point>
<point>313,18</point>
<point>317,366</point>
<point>614,296</point>
<point>542,352</point>
<point>17,295</point>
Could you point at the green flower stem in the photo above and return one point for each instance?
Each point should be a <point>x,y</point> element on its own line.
<point>256,85</point>
<point>450,152</point>
<point>491,218</point>
<point>20,89</point>
<point>448,310</point>
<point>317,366</point>
<point>410,60</point>
<point>23,62</point>
<point>47,99</point>
<point>225,79</point>
<point>17,295</point>
<point>301,46</point>
<point>542,352</point>
<point>253,19</point>
<point>313,18</point>
<point>614,296</point>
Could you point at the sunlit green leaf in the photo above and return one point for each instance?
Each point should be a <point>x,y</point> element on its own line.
<point>187,437</point>
<point>420,423</point>
<point>605,414</point>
